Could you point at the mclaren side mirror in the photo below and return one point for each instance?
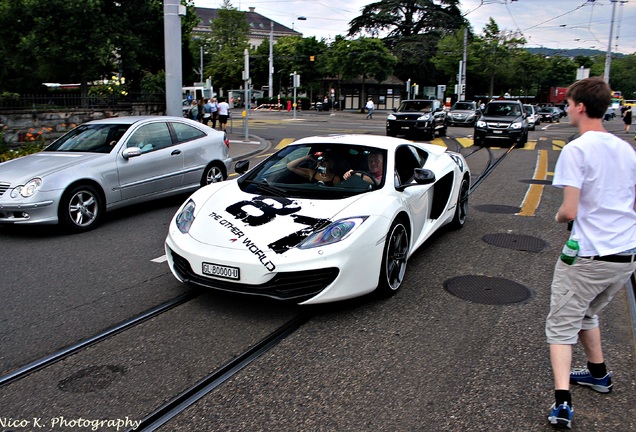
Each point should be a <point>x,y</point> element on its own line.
<point>242,166</point>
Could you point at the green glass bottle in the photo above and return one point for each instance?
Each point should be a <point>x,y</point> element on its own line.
<point>570,250</point>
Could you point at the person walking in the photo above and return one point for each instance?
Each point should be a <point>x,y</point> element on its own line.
<point>370,106</point>
<point>212,107</point>
<point>597,172</point>
<point>200,110</point>
<point>224,114</point>
<point>627,118</point>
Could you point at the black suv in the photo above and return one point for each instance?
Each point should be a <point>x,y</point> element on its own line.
<point>502,120</point>
<point>417,117</point>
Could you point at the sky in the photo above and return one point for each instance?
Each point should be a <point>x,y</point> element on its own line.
<point>558,24</point>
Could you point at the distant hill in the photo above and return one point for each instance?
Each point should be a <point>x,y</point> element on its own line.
<point>570,52</point>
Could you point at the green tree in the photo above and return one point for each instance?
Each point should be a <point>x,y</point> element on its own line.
<point>413,29</point>
<point>492,54</point>
<point>227,43</point>
<point>292,53</point>
<point>529,71</point>
<point>360,58</point>
<point>622,75</point>
<point>82,41</point>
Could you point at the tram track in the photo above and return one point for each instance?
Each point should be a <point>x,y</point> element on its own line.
<point>61,354</point>
<point>191,395</point>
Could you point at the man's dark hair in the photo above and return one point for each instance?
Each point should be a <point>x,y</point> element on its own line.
<point>594,93</point>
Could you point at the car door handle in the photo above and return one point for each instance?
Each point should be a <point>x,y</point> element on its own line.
<point>175,152</point>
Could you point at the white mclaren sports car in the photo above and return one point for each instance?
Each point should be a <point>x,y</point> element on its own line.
<point>326,218</point>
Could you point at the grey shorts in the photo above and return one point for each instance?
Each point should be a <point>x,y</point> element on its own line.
<point>579,293</point>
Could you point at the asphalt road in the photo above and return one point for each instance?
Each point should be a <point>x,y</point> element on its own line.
<point>424,360</point>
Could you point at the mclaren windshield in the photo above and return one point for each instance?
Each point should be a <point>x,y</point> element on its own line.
<point>329,171</point>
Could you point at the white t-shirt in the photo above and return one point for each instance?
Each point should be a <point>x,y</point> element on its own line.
<point>603,167</point>
<point>223,108</point>
<point>369,105</point>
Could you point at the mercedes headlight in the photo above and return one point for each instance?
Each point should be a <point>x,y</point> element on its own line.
<point>185,217</point>
<point>333,233</point>
<point>28,189</point>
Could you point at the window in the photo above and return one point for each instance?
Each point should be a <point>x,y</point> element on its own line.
<point>149,137</point>
<point>186,132</point>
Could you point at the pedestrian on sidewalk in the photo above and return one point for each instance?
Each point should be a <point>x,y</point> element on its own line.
<point>370,106</point>
<point>627,118</point>
<point>224,114</point>
<point>597,172</point>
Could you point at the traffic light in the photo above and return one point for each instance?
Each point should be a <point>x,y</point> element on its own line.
<point>463,89</point>
<point>312,58</point>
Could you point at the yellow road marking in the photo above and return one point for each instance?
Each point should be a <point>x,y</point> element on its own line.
<point>439,142</point>
<point>558,144</point>
<point>465,142</point>
<point>284,143</point>
<point>533,195</point>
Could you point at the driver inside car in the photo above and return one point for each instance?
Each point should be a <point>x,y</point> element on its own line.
<point>376,169</point>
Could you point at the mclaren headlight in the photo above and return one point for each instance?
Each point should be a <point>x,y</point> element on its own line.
<point>185,217</point>
<point>391,117</point>
<point>28,189</point>
<point>332,233</point>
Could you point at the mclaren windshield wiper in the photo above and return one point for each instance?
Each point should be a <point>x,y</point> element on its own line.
<point>266,187</point>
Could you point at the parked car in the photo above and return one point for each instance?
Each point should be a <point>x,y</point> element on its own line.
<point>502,121</point>
<point>273,233</point>
<point>462,113</point>
<point>550,114</point>
<point>532,116</point>
<point>110,163</point>
<point>417,118</point>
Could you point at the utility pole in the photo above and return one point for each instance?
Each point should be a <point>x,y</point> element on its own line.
<point>462,90</point>
<point>246,84</point>
<point>608,55</point>
<point>270,92</point>
<point>172,13</point>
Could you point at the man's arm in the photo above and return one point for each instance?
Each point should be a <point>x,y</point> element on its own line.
<point>570,204</point>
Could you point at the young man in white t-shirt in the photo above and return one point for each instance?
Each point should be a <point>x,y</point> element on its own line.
<point>597,172</point>
<point>224,114</point>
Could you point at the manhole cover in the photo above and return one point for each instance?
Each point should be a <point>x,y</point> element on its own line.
<point>516,242</point>
<point>91,379</point>
<point>537,181</point>
<point>487,290</point>
<point>494,208</point>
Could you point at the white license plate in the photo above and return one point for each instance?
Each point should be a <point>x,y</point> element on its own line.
<point>220,271</point>
<point>496,132</point>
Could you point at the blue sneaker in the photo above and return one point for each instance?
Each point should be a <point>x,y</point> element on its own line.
<point>583,377</point>
<point>561,416</point>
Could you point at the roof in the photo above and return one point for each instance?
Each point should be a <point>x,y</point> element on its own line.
<point>260,26</point>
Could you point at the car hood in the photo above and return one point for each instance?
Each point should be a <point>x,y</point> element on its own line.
<point>231,218</point>
<point>465,112</point>
<point>409,115</point>
<point>20,170</point>
<point>501,119</point>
